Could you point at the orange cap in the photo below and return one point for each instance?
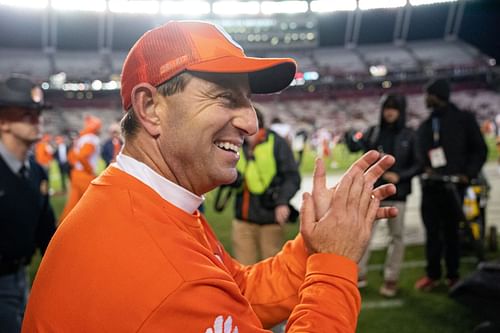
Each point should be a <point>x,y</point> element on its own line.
<point>92,124</point>
<point>163,52</point>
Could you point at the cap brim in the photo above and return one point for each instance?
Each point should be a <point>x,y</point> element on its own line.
<point>266,75</point>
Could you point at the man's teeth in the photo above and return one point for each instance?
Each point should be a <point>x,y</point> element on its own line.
<point>227,146</point>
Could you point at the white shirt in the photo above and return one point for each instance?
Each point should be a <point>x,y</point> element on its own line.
<point>62,153</point>
<point>89,138</point>
<point>169,191</point>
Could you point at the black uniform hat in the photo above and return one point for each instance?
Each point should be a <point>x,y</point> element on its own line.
<point>439,88</point>
<point>21,91</point>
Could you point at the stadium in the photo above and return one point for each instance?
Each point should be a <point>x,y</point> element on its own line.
<point>349,54</point>
<point>345,52</point>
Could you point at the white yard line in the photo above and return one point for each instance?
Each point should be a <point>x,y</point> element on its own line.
<point>382,304</point>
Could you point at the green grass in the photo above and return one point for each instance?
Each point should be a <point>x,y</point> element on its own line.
<point>492,149</point>
<point>341,155</point>
<point>418,312</point>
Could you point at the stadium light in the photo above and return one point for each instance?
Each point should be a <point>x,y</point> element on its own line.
<point>379,4</point>
<point>378,71</point>
<point>88,5</point>
<point>96,85</point>
<point>134,6</point>
<point>73,86</point>
<point>33,4</point>
<point>283,7</point>
<point>428,2</point>
<point>189,7</point>
<point>111,85</point>
<point>228,8</point>
<point>325,6</point>
<point>311,76</point>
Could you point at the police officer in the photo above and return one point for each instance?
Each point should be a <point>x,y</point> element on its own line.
<point>27,220</point>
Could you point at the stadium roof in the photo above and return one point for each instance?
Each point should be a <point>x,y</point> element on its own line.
<point>56,38</point>
<point>57,26</point>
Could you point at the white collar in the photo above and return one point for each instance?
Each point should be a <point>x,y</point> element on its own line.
<point>169,191</point>
<point>11,160</point>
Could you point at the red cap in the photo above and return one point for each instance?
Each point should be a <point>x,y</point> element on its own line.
<point>163,52</point>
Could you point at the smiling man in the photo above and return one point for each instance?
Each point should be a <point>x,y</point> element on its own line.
<point>135,255</point>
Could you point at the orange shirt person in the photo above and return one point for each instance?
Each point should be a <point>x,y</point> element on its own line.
<point>44,153</point>
<point>83,158</point>
<point>135,254</point>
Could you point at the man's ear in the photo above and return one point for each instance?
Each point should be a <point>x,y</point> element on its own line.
<point>143,102</point>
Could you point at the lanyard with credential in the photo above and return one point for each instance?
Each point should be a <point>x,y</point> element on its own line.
<point>435,131</point>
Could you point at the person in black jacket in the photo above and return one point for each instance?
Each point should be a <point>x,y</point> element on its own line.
<point>27,221</point>
<point>269,178</point>
<point>113,144</point>
<point>391,136</point>
<point>61,156</point>
<point>450,144</point>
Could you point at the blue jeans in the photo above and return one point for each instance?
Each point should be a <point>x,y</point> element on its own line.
<point>13,296</point>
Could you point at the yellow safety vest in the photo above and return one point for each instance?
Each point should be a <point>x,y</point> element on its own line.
<point>260,171</point>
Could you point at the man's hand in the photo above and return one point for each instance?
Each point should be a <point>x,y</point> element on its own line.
<point>281,214</point>
<point>322,195</point>
<point>339,220</point>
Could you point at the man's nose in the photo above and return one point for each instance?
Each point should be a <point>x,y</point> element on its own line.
<point>246,120</point>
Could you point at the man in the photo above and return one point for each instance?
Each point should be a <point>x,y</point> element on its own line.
<point>83,158</point>
<point>44,152</point>
<point>113,145</point>
<point>135,255</point>
<point>61,156</point>
<point>299,143</point>
<point>391,136</point>
<point>269,179</point>
<point>450,145</point>
<point>27,221</point>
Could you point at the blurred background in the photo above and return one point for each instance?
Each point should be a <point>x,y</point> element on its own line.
<point>349,53</point>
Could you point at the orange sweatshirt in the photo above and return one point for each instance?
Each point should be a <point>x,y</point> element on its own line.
<point>125,260</point>
<point>44,153</point>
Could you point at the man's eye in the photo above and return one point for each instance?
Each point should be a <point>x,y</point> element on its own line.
<point>228,98</point>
